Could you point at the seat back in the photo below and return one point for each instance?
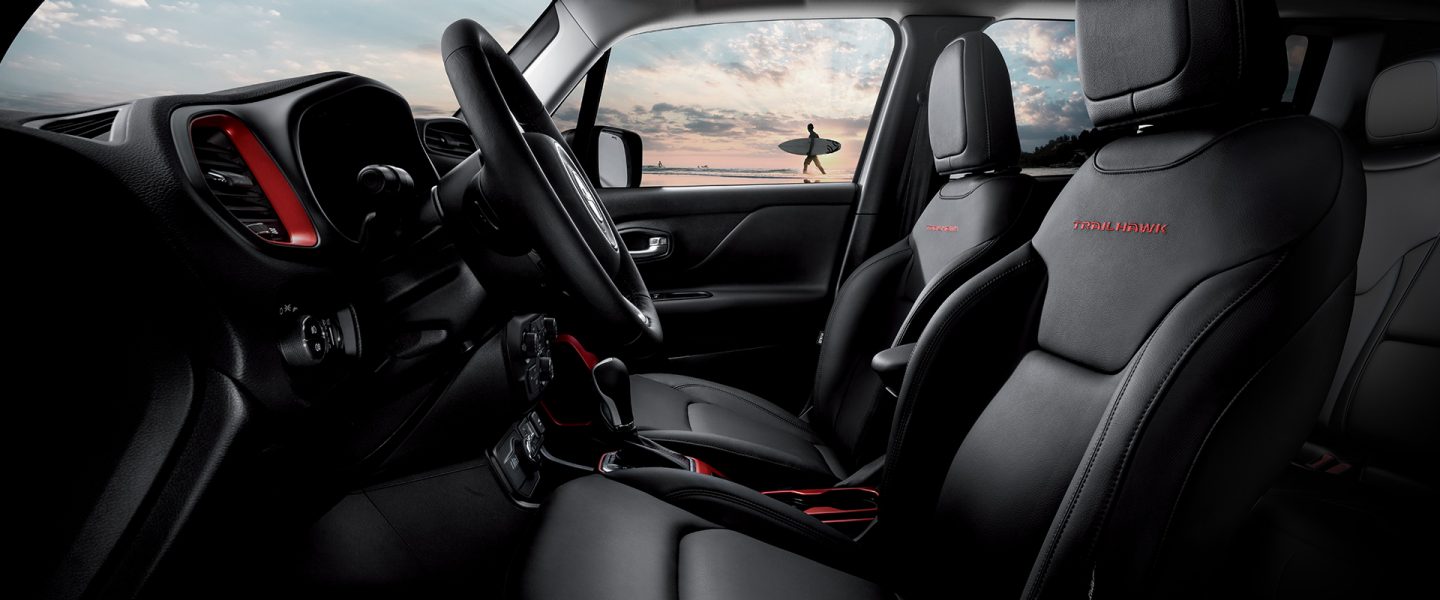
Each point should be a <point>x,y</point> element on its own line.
<point>1096,412</point>
<point>986,210</point>
<point>1384,404</point>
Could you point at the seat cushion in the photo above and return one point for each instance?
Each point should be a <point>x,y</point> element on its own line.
<point>746,437</point>
<point>600,538</point>
<point>1336,541</point>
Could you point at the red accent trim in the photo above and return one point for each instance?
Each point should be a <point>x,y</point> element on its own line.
<point>704,468</point>
<point>271,179</point>
<point>557,422</point>
<point>860,520</point>
<point>943,228</point>
<point>830,510</point>
<point>587,356</point>
<point>823,491</point>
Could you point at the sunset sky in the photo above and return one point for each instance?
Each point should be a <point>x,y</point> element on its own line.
<point>84,53</point>
<point>720,95</point>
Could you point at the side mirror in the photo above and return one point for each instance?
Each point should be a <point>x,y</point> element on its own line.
<point>613,157</point>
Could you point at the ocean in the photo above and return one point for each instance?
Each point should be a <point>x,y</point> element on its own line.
<point>652,176</point>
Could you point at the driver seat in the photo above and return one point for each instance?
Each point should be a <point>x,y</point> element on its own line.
<point>986,210</point>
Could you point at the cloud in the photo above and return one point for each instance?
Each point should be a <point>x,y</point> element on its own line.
<point>709,127</point>
<point>168,36</point>
<point>131,3</point>
<point>51,15</point>
<point>102,22</point>
<point>134,37</point>
<point>182,6</point>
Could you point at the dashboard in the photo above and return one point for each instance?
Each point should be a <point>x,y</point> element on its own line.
<point>350,317</point>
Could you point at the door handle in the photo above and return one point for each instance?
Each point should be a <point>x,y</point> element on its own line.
<point>656,247</point>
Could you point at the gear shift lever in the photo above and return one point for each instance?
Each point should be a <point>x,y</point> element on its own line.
<point>612,381</point>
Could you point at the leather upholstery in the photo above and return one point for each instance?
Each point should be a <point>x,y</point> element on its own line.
<point>970,80</point>
<point>601,538</point>
<point>1404,103</point>
<point>1369,530</point>
<point>971,222</point>
<point>1142,60</point>
<point>1093,414</point>
<point>732,430</point>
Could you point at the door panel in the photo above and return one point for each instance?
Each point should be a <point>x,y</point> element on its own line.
<point>744,288</point>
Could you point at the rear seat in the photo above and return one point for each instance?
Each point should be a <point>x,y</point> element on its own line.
<point>1359,516</point>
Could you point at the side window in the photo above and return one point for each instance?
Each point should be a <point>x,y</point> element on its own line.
<point>1295,47</point>
<point>1045,82</point>
<point>737,103</point>
<point>567,115</point>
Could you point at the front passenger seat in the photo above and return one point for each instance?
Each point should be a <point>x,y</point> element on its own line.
<point>984,212</point>
<point>1094,414</point>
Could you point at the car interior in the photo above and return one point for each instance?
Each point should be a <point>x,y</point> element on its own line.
<point>1084,298</point>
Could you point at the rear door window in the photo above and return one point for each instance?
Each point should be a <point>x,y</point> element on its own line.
<point>1045,82</point>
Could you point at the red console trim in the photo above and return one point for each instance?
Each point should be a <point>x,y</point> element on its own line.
<point>271,179</point>
<point>704,468</point>
<point>586,356</point>
<point>851,509</point>
<point>823,491</point>
<point>557,422</point>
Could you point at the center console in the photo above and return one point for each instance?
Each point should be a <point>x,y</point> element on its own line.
<point>581,423</point>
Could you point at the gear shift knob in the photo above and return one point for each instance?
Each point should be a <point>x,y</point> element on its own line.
<point>612,380</point>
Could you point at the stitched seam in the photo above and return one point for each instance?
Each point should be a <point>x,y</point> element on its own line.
<point>1185,483</point>
<point>923,361</point>
<point>1381,334</point>
<point>1196,152</point>
<point>824,349</point>
<point>792,467</point>
<point>1054,541</point>
<point>682,387</point>
<point>985,96</point>
<point>793,524</point>
<point>927,291</point>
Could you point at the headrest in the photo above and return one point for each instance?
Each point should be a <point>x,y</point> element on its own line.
<point>1146,60</point>
<point>972,118</point>
<point>1404,105</point>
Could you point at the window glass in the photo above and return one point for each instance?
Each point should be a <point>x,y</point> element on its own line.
<point>1295,47</point>
<point>1045,82</point>
<point>78,54</point>
<point>567,115</point>
<point>712,104</point>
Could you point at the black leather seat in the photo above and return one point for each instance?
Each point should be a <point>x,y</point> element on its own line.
<point>1095,413</point>
<point>1360,520</point>
<point>974,220</point>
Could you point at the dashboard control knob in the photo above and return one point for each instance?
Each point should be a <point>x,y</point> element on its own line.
<point>385,179</point>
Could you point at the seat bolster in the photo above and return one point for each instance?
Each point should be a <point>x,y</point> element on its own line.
<point>746,511</point>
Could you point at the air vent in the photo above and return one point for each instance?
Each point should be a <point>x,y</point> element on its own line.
<point>247,183</point>
<point>94,126</point>
<point>450,137</point>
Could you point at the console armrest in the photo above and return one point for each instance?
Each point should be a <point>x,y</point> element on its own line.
<point>890,364</point>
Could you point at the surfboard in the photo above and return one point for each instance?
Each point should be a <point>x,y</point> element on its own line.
<point>801,146</point>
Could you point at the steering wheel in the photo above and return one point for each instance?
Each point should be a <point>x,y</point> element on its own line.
<point>527,188</point>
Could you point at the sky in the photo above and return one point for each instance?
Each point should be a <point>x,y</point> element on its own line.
<point>76,54</point>
<point>726,95</point>
<point>719,95</point>
<point>1044,78</point>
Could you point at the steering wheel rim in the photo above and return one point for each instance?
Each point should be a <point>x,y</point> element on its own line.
<point>529,181</point>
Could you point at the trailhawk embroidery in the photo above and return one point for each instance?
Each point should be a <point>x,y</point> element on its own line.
<point>1120,226</point>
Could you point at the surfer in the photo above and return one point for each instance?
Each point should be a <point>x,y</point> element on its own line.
<point>810,156</point>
